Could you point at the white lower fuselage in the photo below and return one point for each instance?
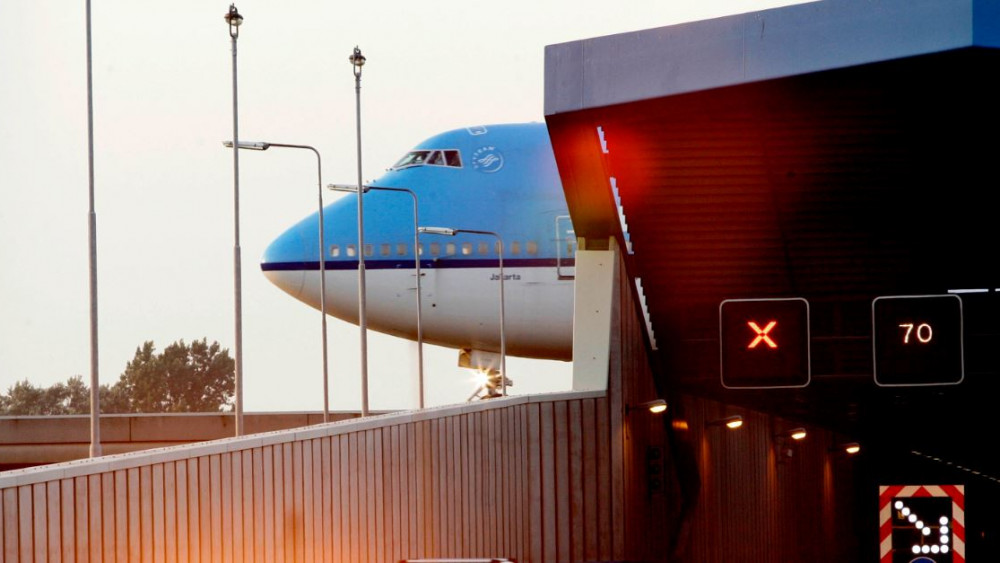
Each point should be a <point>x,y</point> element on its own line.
<point>537,312</point>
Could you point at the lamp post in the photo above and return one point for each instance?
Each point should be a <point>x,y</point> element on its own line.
<point>416,261</point>
<point>263,146</point>
<point>445,231</point>
<point>234,19</point>
<point>95,389</point>
<point>357,61</point>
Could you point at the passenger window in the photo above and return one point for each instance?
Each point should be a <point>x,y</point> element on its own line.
<point>369,250</point>
<point>449,249</point>
<point>466,248</point>
<point>334,250</point>
<point>532,248</point>
<point>515,247</point>
<point>401,249</point>
<point>352,250</point>
<point>453,158</point>
<point>384,249</point>
<point>483,248</point>
<point>420,249</point>
<point>498,247</point>
<point>435,248</point>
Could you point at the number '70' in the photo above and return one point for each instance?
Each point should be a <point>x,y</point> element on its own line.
<point>924,332</point>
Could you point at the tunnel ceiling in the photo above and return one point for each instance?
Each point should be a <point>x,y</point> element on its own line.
<point>836,186</point>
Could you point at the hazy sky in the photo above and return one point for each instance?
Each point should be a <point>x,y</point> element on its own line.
<point>164,185</point>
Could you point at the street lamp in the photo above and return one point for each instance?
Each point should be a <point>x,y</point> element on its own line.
<point>357,61</point>
<point>445,231</point>
<point>416,261</point>
<point>263,146</point>
<point>95,388</point>
<point>234,20</point>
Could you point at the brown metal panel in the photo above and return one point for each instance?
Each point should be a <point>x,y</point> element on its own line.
<point>3,533</point>
<point>446,476</point>
<point>491,483</point>
<point>346,501</point>
<point>339,450</point>
<point>230,523</point>
<point>182,548</point>
<point>605,530</point>
<point>535,484</point>
<point>268,506</point>
<point>356,496</point>
<point>38,512</point>
<point>392,451</point>
<point>146,531</point>
<point>526,485</point>
<point>68,541</point>
<point>550,515</point>
<point>561,475</point>
<point>287,507</point>
<point>425,535</point>
<point>577,485</point>
<point>367,489</point>
<point>378,500</point>
<point>248,504</point>
<point>328,468</point>
<point>158,528</point>
<point>25,524</point>
<point>282,538</point>
<point>308,493</point>
<point>169,513</point>
<point>409,483</point>
<point>51,522</point>
<point>463,442</point>
<point>299,515</point>
<point>260,518</point>
<point>237,509</point>
<point>205,508</point>
<point>588,465</point>
<point>139,522</point>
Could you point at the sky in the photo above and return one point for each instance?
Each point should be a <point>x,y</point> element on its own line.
<point>162,99</point>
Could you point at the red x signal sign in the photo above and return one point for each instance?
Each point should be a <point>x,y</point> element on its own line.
<point>764,343</point>
<point>762,334</point>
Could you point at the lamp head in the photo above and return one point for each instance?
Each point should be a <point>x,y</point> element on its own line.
<point>656,406</point>
<point>730,422</point>
<point>250,146</point>
<point>357,60</point>
<point>444,231</point>
<point>349,188</point>
<point>235,20</point>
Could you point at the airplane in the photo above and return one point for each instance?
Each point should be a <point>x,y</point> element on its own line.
<point>499,179</point>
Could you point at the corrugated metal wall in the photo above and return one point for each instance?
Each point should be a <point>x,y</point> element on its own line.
<point>527,478</point>
<point>766,498</point>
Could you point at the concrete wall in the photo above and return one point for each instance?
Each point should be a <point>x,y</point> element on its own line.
<point>27,441</point>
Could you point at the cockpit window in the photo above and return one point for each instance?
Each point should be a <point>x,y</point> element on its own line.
<point>449,157</point>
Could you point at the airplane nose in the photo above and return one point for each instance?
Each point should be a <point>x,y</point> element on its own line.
<point>285,260</point>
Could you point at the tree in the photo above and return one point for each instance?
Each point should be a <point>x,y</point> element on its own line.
<point>72,397</point>
<point>195,378</point>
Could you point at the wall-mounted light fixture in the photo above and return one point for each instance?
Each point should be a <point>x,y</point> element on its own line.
<point>797,434</point>
<point>730,422</point>
<point>655,406</point>
<point>849,448</point>
<point>787,441</point>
